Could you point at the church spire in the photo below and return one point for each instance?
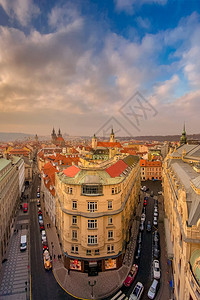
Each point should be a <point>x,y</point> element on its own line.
<point>183,139</point>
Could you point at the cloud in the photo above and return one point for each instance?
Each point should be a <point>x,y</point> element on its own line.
<point>143,23</point>
<point>21,10</point>
<point>78,70</point>
<point>129,6</point>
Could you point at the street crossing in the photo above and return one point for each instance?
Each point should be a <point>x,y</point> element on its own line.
<point>119,296</point>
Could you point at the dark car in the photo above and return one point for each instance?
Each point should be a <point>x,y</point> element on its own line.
<point>42,227</point>
<point>140,238</point>
<point>148,226</point>
<point>156,251</point>
<point>156,236</point>
<point>145,198</point>
<point>138,254</point>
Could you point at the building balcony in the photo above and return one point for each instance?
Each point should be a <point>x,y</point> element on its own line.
<point>192,234</point>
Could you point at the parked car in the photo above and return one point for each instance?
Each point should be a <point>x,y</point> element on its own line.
<point>145,198</point>
<point>143,216</point>
<point>156,251</point>
<point>148,226</point>
<point>38,189</point>
<point>41,227</point>
<point>137,292</point>
<point>38,202</point>
<point>43,235</point>
<point>156,269</point>
<point>138,254</point>
<point>155,202</point>
<point>40,219</point>
<point>140,237</point>
<point>141,226</point>
<point>38,195</point>
<point>131,275</point>
<point>153,289</point>
<point>155,209</point>
<point>160,193</point>
<point>156,236</point>
<point>145,202</point>
<point>151,194</point>
<point>155,221</point>
<point>155,213</point>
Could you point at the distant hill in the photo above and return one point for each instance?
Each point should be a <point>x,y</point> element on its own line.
<point>14,136</point>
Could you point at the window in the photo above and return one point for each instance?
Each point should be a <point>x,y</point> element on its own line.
<point>92,189</point>
<point>110,248</point>
<point>110,205</point>
<point>110,234</point>
<point>74,234</point>
<point>74,249</point>
<point>109,220</point>
<point>70,190</point>
<point>92,224</point>
<point>88,252</point>
<point>113,191</point>
<point>74,204</point>
<point>92,239</point>
<point>74,220</point>
<point>92,206</point>
<point>96,252</point>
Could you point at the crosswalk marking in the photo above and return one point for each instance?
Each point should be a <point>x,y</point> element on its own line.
<point>121,297</point>
<point>118,294</point>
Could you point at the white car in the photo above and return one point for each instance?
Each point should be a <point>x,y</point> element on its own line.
<point>44,238</point>
<point>155,213</point>
<point>137,292</point>
<point>155,209</point>
<point>155,221</point>
<point>153,289</point>
<point>143,216</point>
<point>156,269</point>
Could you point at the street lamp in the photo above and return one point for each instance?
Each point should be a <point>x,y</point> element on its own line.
<point>92,286</point>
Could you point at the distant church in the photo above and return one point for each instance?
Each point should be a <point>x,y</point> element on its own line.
<point>183,139</point>
<point>57,139</point>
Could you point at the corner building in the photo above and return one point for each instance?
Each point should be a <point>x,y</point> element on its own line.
<point>181,183</point>
<point>95,206</point>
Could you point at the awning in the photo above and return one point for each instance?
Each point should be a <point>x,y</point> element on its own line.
<point>168,239</point>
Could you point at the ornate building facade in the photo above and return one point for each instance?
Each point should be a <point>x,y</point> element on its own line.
<point>181,184</point>
<point>94,211</point>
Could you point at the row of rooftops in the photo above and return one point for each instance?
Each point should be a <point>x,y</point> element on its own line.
<point>112,174</point>
<point>186,177</point>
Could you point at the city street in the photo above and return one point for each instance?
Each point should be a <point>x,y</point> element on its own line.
<point>144,274</point>
<point>43,283</point>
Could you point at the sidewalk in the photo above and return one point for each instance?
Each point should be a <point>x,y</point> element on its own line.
<point>77,283</point>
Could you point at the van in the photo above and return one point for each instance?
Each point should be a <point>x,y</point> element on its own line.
<point>23,243</point>
<point>25,207</point>
<point>153,289</point>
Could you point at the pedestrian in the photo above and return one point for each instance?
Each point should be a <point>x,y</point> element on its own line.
<point>49,225</point>
<point>54,256</point>
<point>68,271</point>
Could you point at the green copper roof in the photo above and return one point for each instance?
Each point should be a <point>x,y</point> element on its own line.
<point>195,264</point>
<point>3,163</point>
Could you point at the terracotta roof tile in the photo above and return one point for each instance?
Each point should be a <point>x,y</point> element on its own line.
<point>71,171</point>
<point>116,169</point>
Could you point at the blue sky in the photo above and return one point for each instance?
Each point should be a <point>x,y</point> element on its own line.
<point>74,65</point>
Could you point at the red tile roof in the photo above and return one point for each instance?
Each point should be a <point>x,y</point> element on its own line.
<point>71,171</point>
<point>109,144</point>
<point>116,169</point>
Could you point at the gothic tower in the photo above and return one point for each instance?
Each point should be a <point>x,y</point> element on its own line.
<point>94,142</point>
<point>112,136</point>
<point>53,136</point>
<point>183,139</point>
